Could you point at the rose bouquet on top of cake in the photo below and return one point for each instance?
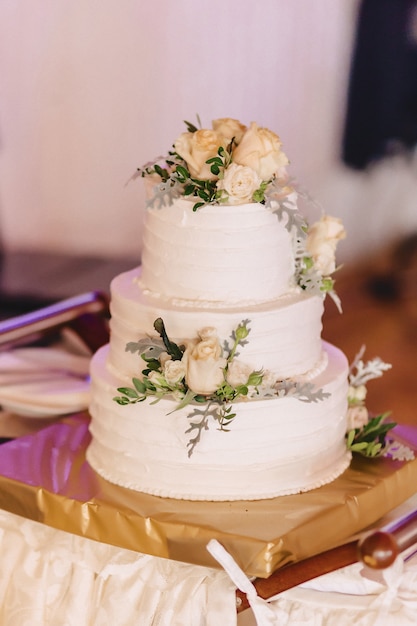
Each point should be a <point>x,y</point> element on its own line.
<point>229,163</point>
<point>233,164</point>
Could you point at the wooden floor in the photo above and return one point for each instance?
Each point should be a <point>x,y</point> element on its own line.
<point>379,300</point>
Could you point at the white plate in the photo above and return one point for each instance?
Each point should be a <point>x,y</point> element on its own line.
<point>43,382</point>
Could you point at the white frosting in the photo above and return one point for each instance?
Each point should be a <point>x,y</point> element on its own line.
<point>284,337</point>
<point>274,446</point>
<point>219,267</point>
<point>218,253</point>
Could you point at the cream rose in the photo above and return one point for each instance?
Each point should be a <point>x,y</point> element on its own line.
<point>196,148</point>
<point>260,149</point>
<point>204,366</point>
<point>322,239</point>
<point>174,371</point>
<point>229,128</point>
<point>239,182</point>
<point>357,417</point>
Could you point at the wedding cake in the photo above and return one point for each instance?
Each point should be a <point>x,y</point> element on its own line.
<point>216,384</point>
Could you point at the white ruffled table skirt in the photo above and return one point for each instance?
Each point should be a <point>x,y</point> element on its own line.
<point>50,577</point>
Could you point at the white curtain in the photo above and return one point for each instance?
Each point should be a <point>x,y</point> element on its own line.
<point>91,90</point>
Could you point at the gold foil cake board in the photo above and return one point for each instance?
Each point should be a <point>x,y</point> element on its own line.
<point>45,477</point>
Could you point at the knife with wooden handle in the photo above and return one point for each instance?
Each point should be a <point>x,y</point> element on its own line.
<point>377,549</point>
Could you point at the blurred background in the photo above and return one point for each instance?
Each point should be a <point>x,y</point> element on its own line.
<point>91,90</point>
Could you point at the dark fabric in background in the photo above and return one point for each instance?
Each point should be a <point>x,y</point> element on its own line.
<point>381,114</point>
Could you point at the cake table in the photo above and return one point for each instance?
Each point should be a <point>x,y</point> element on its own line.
<point>57,506</point>
<point>79,550</point>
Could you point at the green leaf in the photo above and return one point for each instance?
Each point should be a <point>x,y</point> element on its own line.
<point>121,400</point>
<point>358,447</point>
<point>242,390</point>
<point>128,391</point>
<point>258,196</point>
<point>188,190</point>
<point>139,385</point>
<point>163,173</point>
<point>215,160</point>
<point>255,378</point>
<point>198,205</point>
<point>149,386</point>
<point>350,438</point>
<point>183,173</point>
<point>191,128</point>
<point>153,364</point>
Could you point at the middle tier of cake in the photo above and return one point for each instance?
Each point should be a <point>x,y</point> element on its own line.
<point>284,333</point>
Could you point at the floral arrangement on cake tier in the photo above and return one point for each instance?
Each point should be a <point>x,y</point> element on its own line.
<point>369,435</point>
<point>233,164</point>
<point>204,372</point>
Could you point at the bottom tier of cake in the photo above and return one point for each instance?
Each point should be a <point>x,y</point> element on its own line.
<point>274,446</point>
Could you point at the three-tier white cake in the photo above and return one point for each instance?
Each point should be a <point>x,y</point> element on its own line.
<point>216,384</point>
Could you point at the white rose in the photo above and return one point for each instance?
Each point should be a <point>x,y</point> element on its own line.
<point>357,394</point>
<point>196,148</point>
<point>174,371</point>
<point>229,128</point>
<point>260,149</point>
<point>238,373</point>
<point>239,182</point>
<point>322,239</point>
<point>357,417</point>
<point>204,366</point>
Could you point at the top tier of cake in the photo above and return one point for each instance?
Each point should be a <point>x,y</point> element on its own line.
<point>218,254</point>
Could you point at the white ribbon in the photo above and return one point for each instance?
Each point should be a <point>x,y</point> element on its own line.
<point>401,585</point>
<point>265,614</point>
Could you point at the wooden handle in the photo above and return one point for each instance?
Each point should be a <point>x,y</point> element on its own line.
<point>377,549</point>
